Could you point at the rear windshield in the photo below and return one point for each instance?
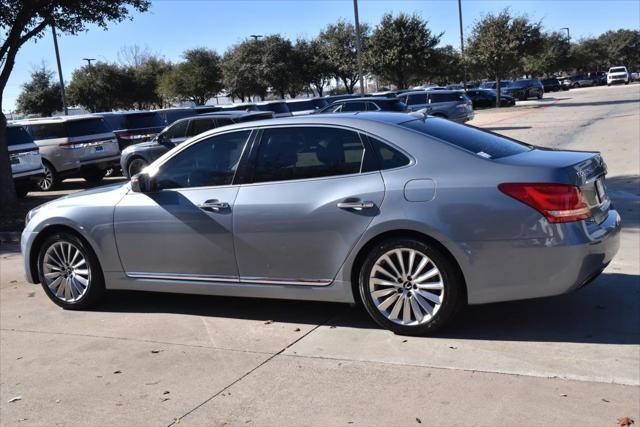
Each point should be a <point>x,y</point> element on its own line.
<point>144,120</point>
<point>276,107</point>
<point>17,135</point>
<point>446,97</point>
<point>618,70</point>
<point>483,143</point>
<point>86,127</point>
<point>41,131</point>
<point>300,106</point>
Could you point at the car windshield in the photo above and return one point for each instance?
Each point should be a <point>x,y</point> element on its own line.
<point>483,143</point>
<point>276,107</point>
<point>618,70</point>
<point>86,127</point>
<point>17,135</point>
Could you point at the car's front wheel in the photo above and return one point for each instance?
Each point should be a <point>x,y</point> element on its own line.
<point>69,272</point>
<point>410,287</point>
<point>49,180</point>
<point>135,166</point>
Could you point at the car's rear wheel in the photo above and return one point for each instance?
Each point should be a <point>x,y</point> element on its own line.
<point>69,272</point>
<point>410,287</point>
<point>94,175</point>
<point>135,166</point>
<point>50,178</point>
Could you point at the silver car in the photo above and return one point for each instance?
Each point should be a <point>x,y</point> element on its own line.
<point>448,104</point>
<point>26,163</point>
<point>73,146</point>
<point>412,216</point>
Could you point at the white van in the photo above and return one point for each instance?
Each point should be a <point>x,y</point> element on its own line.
<point>73,146</point>
<point>25,160</point>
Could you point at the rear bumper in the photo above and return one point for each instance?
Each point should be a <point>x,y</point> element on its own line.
<point>28,175</point>
<point>572,256</point>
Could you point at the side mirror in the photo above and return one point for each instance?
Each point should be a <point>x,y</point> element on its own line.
<point>143,183</point>
<point>163,139</point>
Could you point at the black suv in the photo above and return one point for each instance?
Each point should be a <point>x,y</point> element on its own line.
<point>525,89</point>
<point>369,103</point>
<point>551,85</point>
<point>136,157</point>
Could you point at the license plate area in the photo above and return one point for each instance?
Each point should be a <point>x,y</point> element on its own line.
<point>601,190</point>
<point>99,148</point>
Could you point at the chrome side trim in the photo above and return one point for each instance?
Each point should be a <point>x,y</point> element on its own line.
<point>185,277</point>
<point>297,282</point>
<point>228,279</point>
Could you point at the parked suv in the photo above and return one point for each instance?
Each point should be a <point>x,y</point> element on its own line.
<point>300,107</point>
<point>551,85</point>
<point>136,157</point>
<point>487,98</point>
<point>26,163</point>
<point>525,89</point>
<point>448,104</point>
<point>579,80</point>
<point>617,75</point>
<point>279,108</point>
<point>368,103</point>
<point>132,127</point>
<point>73,146</point>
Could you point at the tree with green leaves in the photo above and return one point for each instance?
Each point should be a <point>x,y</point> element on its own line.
<point>146,78</point>
<point>242,70</point>
<point>21,21</point>
<point>198,78</point>
<point>401,49</point>
<point>339,41</point>
<point>102,87</point>
<point>498,41</point>
<point>313,64</point>
<point>553,56</point>
<point>446,66</point>
<point>277,64</point>
<point>41,95</point>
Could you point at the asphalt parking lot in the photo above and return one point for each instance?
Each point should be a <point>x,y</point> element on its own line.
<point>153,359</point>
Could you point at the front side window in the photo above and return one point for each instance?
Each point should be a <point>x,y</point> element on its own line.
<point>372,107</point>
<point>200,125</point>
<point>420,98</point>
<point>307,152</point>
<point>353,106</point>
<point>178,130</point>
<point>210,162</point>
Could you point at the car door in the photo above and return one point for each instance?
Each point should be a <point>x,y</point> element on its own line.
<point>306,205</point>
<point>184,227</point>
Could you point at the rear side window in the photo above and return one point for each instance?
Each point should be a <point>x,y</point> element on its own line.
<point>17,135</point>
<point>307,152</point>
<point>48,130</point>
<point>223,122</point>
<point>114,121</point>
<point>276,107</point>
<point>445,97</point>
<point>87,127</point>
<point>300,106</point>
<point>353,106</point>
<point>177,130</point>
<point>198,126</point>
<point>420,98</point>
<point>386,156</point>
<point>483,143</point>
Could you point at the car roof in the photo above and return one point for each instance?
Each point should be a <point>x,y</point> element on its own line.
<point>57,119</point>
<point>113,113</point>
<point>368,98</point>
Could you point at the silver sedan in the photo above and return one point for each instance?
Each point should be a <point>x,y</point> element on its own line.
<point>413,216</point>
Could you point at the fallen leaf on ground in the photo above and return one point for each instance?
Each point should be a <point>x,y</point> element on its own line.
<point>296,330</point>
<point>13,281</point>
<point>155,351</point>
<point>625,422</point>
<point>14,399</point>
<point>605,400</point>
<point>418,420</point>
<point>164,399</point>
<point>166,392</point>
<point>31,294</point>
<point>117,372</point>
<point>453,348</point>
<point>563,395</point>
<point>268,322</point>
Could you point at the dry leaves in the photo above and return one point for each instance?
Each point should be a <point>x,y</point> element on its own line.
<point>625,421</point>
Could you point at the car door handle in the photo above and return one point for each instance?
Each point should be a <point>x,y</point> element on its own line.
<point>213,205</point>
<point>356,205</point>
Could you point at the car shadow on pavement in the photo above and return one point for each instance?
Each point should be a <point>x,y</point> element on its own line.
<point>596,103</point>
<point>624,191</point>
<point>604,312</point>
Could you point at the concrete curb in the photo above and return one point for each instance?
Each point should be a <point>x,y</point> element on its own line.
<point>10,237</point>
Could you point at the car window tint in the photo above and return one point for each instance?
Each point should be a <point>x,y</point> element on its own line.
<point>483,143</point>
<point>371,106</point>
<point>48,130</point>
<point>420,98</point>
<point>336,108</point>
<point>87,127</point>
<point>200,125</point>
<point>388,157</point>
<point>210,162</point>
<point>178,130</point>
<point>223,122</point>
<point>307,152</point>
<point>445,97</point>
<point>276,107</point>
<point>353,106</point>
<point>142,120</point>
<point>17,135</point>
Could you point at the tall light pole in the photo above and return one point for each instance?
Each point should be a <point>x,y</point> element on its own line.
<point>255,37</point>
<point>568,33</point>
<point>55,45</point>
<point>464,65</point>
<point>358,46</point>
<point>89,60</point>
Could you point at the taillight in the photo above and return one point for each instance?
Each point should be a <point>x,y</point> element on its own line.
<point>557,202</point>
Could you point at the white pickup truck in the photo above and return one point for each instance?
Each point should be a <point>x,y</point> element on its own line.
<point>617,75</point>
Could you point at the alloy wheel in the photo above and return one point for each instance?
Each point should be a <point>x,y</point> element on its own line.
<point>136,166</point>
<point>46,182</point>
<point>406,286</point>
<point>66,271</point>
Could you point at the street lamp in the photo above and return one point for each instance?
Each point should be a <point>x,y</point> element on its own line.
<point>89,60</point>
<point>464,65</point>
<point>55,45</point>
<point>256,36</point>
<point>568,33</point>
<point>358,46</point>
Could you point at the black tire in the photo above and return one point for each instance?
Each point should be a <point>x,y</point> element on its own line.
<point>93,176</point>
<point>539,96</point>
<point>95,289</point>
<point>453,291</point>
<point>135,165</point>
<point>50,179</point>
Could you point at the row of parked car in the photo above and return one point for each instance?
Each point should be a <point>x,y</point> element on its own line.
<point>45,151</point>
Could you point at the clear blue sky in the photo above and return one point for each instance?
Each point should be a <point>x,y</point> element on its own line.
<point>172,26</point>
